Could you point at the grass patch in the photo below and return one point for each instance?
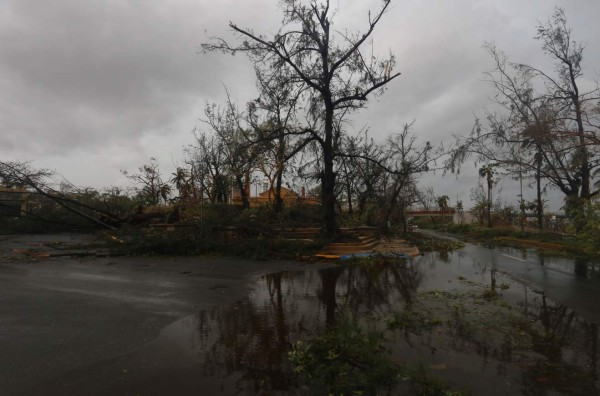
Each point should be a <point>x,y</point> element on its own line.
<point>428,244</point>
<point>546,242</point>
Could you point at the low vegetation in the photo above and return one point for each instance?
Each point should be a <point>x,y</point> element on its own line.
<point>363,356</point>
<point>428,244</point>
<point>195,242</point>
<point>587,244</point>
<point>349,359</point>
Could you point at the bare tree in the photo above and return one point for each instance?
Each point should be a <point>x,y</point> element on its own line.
<point>550,127</point>
<point>151,188</point>
<point>207,161</point>
<point>19,174</point>
<point>239,156</point>
<point>329,64</point>
<point>406,162</point>
<point>360,175</point>
<point>273,118</point>
<point>386,173</point>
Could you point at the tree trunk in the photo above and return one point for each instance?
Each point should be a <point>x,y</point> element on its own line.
<point>243,195</point>
<point>348,189</point>
<point>279,160</point>
<point>328,177</point>
<point>349,194</point>
<point>489,203</point>
<point>585,165</point>
<point>329,280</point>
<point>403,214</point>
<point>328,184</point>
<point>540,203</point>
<point>278,199</point>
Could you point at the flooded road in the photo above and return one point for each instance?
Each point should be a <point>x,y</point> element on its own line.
<point>242,348</point>
<point>61,314</point>
<point>574,282</point>
<point>457,315</point>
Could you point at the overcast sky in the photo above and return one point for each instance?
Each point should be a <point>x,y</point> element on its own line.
<point>89,87</point>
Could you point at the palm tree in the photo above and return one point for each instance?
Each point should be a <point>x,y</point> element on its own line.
<point>182,183</point>
<point>443,203</point>
<point>487,171</point>
<point>164,191</point>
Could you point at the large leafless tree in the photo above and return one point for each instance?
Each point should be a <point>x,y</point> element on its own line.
<point>330,65</point>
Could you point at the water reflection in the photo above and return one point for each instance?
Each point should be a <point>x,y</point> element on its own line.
<point>581,267</point>
<point>448,317</point>
<point>565,338</point>
<point>248,343</point>
<point>548,348</point>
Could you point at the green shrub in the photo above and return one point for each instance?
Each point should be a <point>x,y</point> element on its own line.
<point>459,228</point>
<point>346,360</point>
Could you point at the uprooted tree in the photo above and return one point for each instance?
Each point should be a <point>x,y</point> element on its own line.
<point>19,174</point>
<point>327,65</point>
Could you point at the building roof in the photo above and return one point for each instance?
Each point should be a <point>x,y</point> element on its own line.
<point>285,193</point>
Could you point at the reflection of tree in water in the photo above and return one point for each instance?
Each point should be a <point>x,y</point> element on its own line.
<point>581,267</point>
<point>248,342</point>
<point>361,289</point>
<point>327,293</point>
<point>444,256</point>
<point>570,346</point>
<point>555,349</point>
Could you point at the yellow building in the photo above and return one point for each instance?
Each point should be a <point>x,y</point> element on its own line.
<point>289,197</point>
<point>13,202</point>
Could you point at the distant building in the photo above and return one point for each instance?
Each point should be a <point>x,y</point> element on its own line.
<point>13,202</point>
<point>430,213</point>
<point>289,197</point>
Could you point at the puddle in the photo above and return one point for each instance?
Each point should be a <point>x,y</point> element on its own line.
<point>484,332</point>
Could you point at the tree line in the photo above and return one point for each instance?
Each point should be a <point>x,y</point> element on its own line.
<point>312,78</point>
<point>547,128</point>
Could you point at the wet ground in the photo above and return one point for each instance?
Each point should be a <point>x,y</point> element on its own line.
<point>218,326</point>
<point>62,313</point>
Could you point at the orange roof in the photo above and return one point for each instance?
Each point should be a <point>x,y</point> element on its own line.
<point>285,193</point>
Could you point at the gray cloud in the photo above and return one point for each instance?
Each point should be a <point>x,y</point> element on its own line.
<point>89,87</point>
